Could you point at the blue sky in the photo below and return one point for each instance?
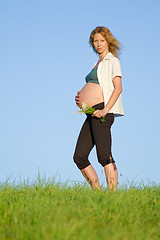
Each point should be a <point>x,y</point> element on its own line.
<point>44,59</point>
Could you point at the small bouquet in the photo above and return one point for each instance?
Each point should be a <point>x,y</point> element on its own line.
<point>88,110</point>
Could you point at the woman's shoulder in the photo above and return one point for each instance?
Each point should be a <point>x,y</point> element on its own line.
<point>111,57</point>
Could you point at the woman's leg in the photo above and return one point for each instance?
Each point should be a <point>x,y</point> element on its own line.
<point>84,145</point>
<point>90,174</point>
<point>103,141</point>
<point>111,175</point>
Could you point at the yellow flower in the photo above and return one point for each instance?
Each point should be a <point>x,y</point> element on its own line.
<point>84,106</point>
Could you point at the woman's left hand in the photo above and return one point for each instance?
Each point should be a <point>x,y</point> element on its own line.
<point>99,113</point>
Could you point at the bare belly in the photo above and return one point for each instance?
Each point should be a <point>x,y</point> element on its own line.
<point>91,93</point>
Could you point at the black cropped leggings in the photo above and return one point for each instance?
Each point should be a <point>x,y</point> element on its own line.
<point>94,132</point>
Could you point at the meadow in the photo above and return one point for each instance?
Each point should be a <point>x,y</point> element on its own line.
<point>48,210</point>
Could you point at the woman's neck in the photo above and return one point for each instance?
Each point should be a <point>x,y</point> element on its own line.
<point>102,55</point>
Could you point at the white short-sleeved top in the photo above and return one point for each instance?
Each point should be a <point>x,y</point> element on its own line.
<point>107,69</point>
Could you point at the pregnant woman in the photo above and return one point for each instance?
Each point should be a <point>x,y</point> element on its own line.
<point>103,92</point>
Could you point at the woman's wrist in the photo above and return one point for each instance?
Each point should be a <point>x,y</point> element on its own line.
<point>105,110</point>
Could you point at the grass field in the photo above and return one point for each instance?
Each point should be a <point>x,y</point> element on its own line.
<point>48,210</point>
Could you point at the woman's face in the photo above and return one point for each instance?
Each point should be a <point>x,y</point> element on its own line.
<point>100,44</point>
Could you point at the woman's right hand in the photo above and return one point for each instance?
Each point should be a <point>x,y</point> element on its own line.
<point>77,98</point>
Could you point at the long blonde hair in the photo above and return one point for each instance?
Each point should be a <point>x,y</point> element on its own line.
<point>113,43</point>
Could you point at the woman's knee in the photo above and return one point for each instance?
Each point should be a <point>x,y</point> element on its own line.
<point>106,161</point>
<point>81,161</point>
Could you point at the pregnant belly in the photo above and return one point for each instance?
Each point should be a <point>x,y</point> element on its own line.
<point>91,93</point>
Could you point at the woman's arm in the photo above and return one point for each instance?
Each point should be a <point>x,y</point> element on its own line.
<point>113,98</point>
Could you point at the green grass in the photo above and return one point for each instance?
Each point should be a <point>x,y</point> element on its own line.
<point>48,210</point>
